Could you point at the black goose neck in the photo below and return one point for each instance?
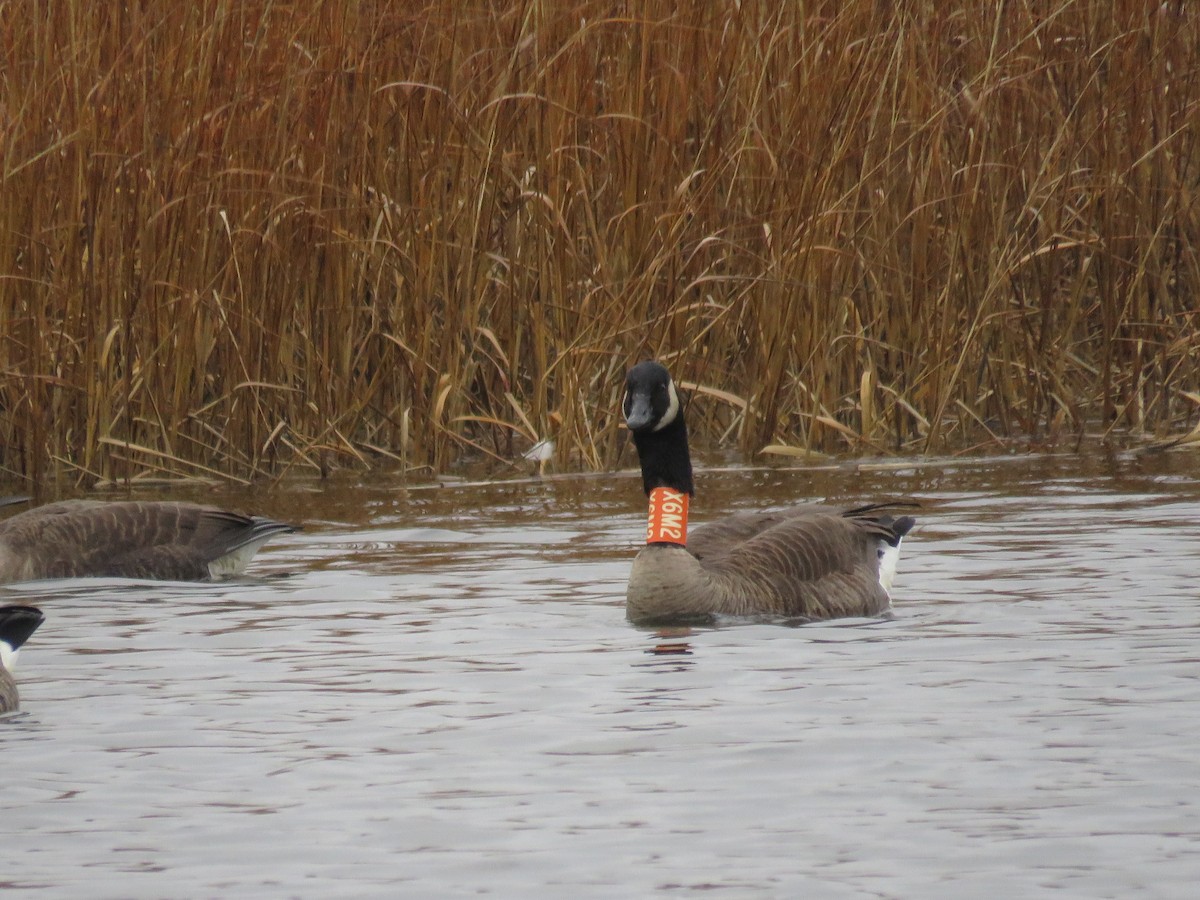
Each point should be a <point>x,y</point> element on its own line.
<point>664,457</point>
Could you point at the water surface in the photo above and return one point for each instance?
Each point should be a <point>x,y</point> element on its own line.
<point>434,692</point>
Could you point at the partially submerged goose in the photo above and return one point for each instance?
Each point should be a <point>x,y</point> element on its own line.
<point>17,623</point>
<point>811,561</point>
<point>130,539</point>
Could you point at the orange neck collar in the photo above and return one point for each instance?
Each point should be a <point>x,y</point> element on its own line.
<point>668,517</point>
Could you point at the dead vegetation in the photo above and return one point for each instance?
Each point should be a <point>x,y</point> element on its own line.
<point>244,238</point>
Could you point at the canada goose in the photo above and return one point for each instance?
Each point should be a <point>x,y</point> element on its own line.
<point>130,539</point>
<point>17,623</point>
<point>810,561</point>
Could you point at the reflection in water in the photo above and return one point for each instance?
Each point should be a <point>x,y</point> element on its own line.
<point>671,653</point>
<point>442,697</point>
<point>671,648</point>
<point>669,641</point>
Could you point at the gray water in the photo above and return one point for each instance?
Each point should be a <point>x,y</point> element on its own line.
<point>434,693</point>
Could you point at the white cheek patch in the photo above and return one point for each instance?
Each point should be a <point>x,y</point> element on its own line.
<point>889,556</point>
<point>8,656</point>
<point>672,408</point>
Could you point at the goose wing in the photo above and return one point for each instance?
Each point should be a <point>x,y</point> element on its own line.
<point>724,536</point>
<point>812,561</point>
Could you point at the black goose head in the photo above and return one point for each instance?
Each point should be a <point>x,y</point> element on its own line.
<point>17,623</point>
<point>654,414</point>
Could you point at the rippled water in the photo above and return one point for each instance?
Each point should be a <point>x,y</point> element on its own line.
<point>435,693</point>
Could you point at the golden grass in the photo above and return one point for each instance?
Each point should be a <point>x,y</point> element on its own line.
<point>239,238</point>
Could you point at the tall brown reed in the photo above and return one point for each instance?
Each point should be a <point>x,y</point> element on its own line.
<point>245,237</point>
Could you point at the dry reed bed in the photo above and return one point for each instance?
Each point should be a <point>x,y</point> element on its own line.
<point>260,235</point>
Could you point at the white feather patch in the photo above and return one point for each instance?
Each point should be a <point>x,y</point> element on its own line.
<point>235,562</point>
<point>672,408</point>
<point>889,556</point>
<point>8,656</point>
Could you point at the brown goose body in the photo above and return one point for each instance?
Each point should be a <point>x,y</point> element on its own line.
<point>9,699</point>
<point>810,561</point>
<point>130,539</point>
<point>17,623</point>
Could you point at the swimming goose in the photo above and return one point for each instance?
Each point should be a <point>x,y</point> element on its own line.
<point>810,561</point>
<point>130,539</point>
<point>17,623</point>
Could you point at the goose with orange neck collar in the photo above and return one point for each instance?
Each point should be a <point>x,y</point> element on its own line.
<point>810,561</point>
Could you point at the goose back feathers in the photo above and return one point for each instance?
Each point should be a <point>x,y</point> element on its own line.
<point>810,561</point>
<point>130,539</point>
<point>17,623</point>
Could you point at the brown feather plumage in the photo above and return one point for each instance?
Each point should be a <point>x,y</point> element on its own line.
<point>127,539</point>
